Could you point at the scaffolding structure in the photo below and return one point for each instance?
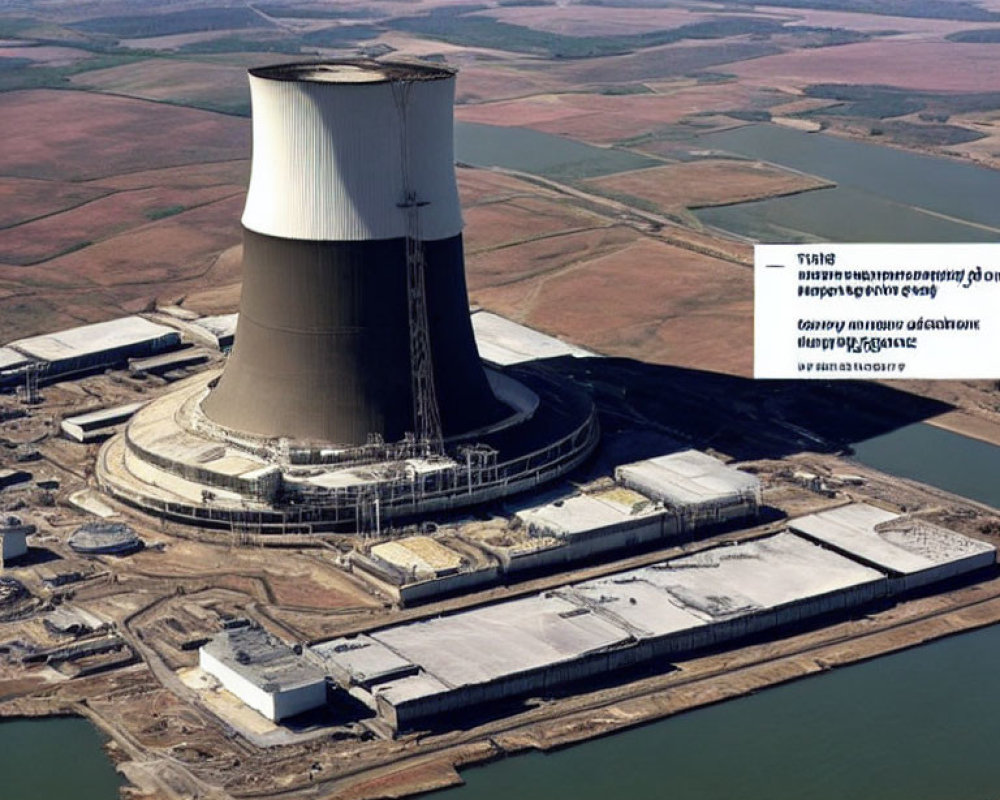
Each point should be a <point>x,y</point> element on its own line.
<point>426,415</point>
<point>388,493</point>
<point>28,391</point>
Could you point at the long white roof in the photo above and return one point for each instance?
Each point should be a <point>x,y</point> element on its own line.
<point>96,338</point>
<point>902,544</point>
<point>687,477</point>
<point>505,342</point>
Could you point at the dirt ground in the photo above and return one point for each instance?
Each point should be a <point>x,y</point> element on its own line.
<point>897,62</point>
<point>62,135</point>
<point>658,303</point>
<point>45,238</point>
<point>23,199</point>
<point>605,119</point>
<point>705,183</point>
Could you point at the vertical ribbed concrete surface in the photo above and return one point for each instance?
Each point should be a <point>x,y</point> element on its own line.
<point>323,342</point>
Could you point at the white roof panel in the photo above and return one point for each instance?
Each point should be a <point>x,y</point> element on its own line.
<point>505,342</point>
<point>892,541</point>
<point>11,359</point>
<point>585,512</point>
<point>687,477</point>
<point>96,338</point>
<point>486,643</point>
<point>362,657</point>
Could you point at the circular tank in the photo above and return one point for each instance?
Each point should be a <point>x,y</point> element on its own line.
<point>105,538</point>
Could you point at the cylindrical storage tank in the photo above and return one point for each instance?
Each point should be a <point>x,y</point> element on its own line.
<point>341,153</point>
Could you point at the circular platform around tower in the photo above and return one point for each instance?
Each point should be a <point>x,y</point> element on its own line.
<point>172,461</point>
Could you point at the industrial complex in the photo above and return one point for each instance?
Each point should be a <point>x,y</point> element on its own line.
<point>429,671</point>
<point>359,530</point>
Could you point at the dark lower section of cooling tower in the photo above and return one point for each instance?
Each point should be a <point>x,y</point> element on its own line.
<point>323,343</point>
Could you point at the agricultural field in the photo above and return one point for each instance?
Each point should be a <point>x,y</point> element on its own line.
<point>646,300</point>
<point>216,87</point>
<point>901,63</point>
<point>708,182</point>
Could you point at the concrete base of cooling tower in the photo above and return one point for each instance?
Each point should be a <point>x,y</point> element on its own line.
<point>171,461</point>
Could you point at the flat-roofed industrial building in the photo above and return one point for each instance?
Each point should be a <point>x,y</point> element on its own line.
<point>12,364</point>
<point>97,425</point>
<point>536,643</point>
<point>913,551</point>
<point>700,488</point>
<point>13,538</point>
<point>97,346</point>
<point>363,661</point>
<point>596,522</point>
<point>265,673</point>
<point>12,477</point>
<point>417,568</point>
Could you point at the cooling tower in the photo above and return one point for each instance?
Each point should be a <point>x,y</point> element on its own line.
<point>354,397</point>
<point>354,314</point>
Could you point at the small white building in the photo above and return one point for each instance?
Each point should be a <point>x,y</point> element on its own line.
<point>96,425</point>
<point>264,672</point>
<point>699,488</point>
<point>103,344</point>
<point>601,521</point>
<point>13,538</point>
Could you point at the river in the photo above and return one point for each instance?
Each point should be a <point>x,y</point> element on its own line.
<point>967,467</point>
<point>882,194</point>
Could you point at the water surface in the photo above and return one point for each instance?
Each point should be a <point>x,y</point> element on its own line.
<point>959,464</point>
<point>939,184</point>
<point>540,153</point>
<point>918,725</point>
<point>882,194</point>
<point>58,758</point>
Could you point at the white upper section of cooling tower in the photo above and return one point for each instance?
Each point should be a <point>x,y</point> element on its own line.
<point>336,147</point>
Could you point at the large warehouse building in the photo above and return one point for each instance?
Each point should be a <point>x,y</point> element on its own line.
<point>93,347</point>
<point>536,643</point>
<point>355,393</point>
<point>266,674</point>
<point>417,671</point>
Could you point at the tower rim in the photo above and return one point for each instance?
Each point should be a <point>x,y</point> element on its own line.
<point>353,71</point>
